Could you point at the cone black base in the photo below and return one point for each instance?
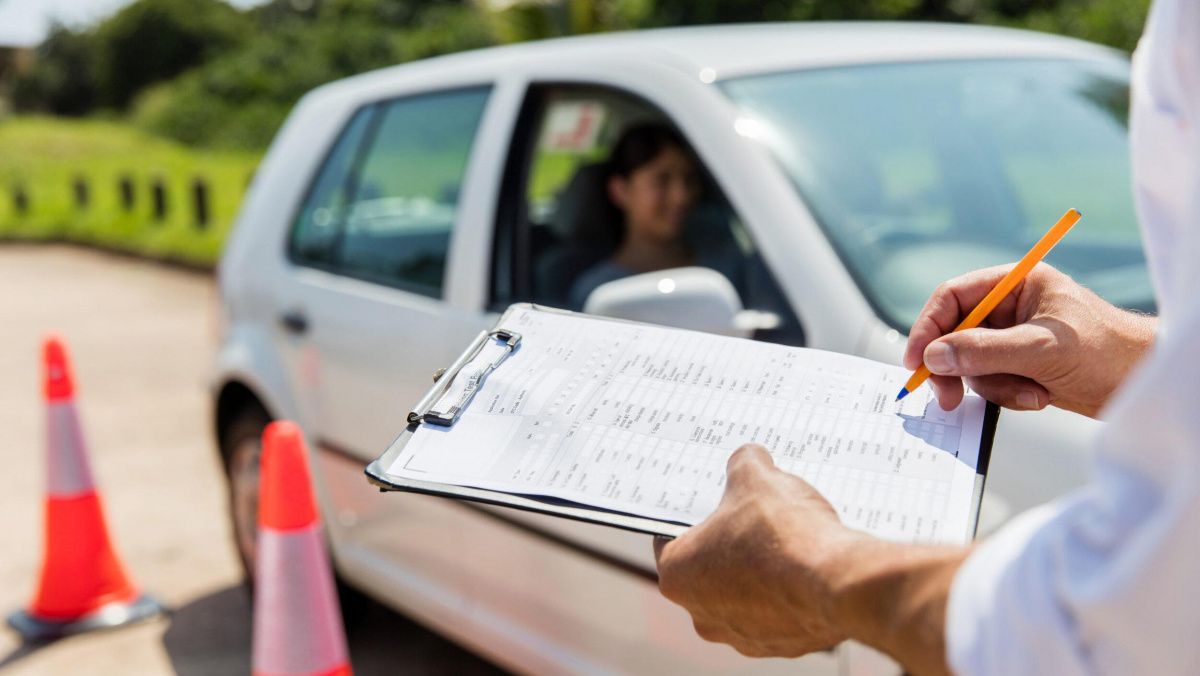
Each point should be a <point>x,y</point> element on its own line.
<point>37,630</point>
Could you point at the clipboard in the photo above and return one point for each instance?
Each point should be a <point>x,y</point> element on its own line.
<point>425,412</point>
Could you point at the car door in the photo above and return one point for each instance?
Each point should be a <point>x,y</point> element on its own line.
<point>365,321</point>
<point>370,253</point>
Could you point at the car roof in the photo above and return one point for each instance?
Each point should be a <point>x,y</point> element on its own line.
<point>734,50</point>
<point>740,49</point>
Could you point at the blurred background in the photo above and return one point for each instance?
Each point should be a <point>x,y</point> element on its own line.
<point>137,125</point>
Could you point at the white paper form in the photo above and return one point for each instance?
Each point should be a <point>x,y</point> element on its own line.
<point>641,419</point>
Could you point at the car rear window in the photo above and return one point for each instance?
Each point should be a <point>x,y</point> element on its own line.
<point>384,204</point>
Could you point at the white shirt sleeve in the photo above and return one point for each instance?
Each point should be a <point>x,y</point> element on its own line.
<point>1107,580</point>
<point>1165,140</point>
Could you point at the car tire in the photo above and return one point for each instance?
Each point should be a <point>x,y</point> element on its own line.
<point>241,447</point>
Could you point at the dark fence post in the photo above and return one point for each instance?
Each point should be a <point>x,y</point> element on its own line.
<point>200,202</point>
<point>80,187</point>
<point>158,192</point>
<point>125,188</point>
<point>20,200</point>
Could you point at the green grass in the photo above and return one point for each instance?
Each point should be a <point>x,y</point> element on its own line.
<point>46,155</point>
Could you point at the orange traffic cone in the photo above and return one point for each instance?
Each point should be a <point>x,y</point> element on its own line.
<point>83,585</point>
<point>297,623</point>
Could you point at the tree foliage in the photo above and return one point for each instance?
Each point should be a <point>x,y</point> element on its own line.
<point>63,78</point>
<point>1113,22</point>
<point>240,97</point>
<point>155,40</point>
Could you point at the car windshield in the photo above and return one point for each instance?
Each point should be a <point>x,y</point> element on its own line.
<point>922,171</point>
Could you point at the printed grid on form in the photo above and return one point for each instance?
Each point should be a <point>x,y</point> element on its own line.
<point>641,419</point>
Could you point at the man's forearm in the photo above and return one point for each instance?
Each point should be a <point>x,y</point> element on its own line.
<point>893,597</point>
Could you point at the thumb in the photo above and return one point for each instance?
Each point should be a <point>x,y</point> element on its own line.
<point>1024,350</point>
<point>746,468</point>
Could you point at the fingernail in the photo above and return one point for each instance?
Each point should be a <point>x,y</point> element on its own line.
<point>1027,399</point>
<point>940,358</point>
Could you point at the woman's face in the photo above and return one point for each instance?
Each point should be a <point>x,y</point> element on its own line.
<point>657,196</point>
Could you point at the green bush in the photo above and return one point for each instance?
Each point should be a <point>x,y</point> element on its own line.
<point>1117,23</point>
<point>154,40</point>
<point>238,100</point>
<point>63,78</point>
<point>1113,22</point>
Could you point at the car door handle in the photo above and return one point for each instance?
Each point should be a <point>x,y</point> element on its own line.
<point>294,321</point>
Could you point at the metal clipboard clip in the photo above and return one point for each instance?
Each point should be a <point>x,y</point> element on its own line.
<point>424,411</point>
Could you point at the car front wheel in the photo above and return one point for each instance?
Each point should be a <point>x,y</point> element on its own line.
<point>241,448</point>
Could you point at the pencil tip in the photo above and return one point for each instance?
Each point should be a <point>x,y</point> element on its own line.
<point>903,393</point>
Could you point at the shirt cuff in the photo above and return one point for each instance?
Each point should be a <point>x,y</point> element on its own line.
<point>980,636</point>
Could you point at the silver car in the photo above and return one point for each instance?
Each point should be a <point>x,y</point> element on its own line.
<point>848,167</point>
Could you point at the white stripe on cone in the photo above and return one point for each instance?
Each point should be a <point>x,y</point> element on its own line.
<point>297,622</point>
<point>68,473</point>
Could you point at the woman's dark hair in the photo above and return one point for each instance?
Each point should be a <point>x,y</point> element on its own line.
<point>639,145</point>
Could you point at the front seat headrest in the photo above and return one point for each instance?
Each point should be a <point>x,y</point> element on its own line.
<point>584,214</point>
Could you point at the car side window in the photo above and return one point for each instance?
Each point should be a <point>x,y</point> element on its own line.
<point>405,195</point>
<point>315,232</point>
<point>560,234</point>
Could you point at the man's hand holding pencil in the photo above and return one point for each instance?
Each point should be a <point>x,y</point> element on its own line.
<point>1049,342</point>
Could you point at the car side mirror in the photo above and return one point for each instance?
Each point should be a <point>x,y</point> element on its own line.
<point>695,298</point>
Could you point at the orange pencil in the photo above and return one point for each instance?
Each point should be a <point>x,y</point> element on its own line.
<point>1005,287</point>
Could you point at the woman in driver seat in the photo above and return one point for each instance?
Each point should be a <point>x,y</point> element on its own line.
<point>654,183</point>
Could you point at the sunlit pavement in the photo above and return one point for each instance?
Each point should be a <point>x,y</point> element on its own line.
<point>141,337</point>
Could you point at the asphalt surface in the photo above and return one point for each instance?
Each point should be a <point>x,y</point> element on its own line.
<point>141,339</point>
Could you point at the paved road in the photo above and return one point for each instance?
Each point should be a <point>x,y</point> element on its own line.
<point>142,342</point>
